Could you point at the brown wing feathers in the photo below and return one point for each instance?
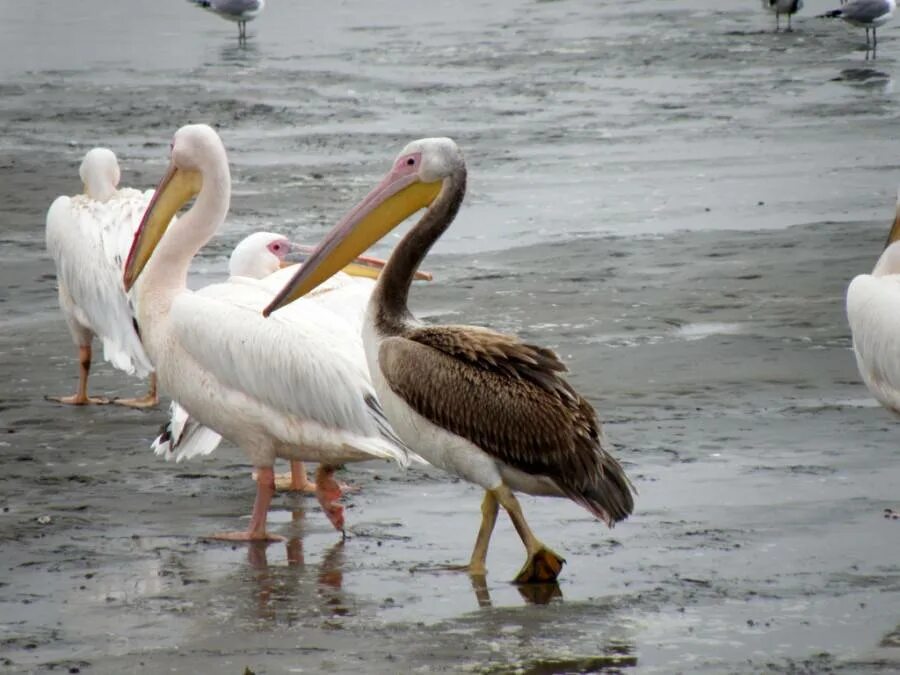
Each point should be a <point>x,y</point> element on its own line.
<point>508,398</point>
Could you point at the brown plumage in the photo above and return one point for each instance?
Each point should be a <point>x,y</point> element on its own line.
<point>508,398</point>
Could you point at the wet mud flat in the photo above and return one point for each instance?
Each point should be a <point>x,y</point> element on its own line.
<point>718,358</point>
<point>759,542</point>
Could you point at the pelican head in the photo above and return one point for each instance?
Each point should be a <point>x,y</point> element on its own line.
<point>99,173</point>
<point>197,155</point>
<point>419,175</point>
<point>259,255</point>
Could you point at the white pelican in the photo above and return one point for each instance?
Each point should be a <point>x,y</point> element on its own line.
<point>868,14</point>
<point>239,11</point>
<point>283,388</point>
<point>479,404</point>
<point>88,236</point>
<point>258,256</point>
<point>786,7</point>
<point>873,311</point>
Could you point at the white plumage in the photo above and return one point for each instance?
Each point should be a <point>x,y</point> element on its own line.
<point>89,236</point>
<point>253,265</point>
<point>873,311</point>
<point>277,387</point>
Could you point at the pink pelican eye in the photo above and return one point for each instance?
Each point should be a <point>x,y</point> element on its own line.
<point>277,247</point>
<point>409,162</point>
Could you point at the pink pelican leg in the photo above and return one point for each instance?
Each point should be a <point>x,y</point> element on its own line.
<point>81,396</point>
<point>265,488</point>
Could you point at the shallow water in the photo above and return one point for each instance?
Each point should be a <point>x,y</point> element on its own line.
<point>673,198</point>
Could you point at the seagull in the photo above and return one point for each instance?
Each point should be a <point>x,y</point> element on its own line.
<point>779,7</point>
<point>240,11</point>
<point>865,13</point>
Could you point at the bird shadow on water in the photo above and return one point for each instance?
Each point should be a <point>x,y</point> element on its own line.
<point>865,77</point>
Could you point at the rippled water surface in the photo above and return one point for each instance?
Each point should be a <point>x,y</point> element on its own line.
<point>672,197</point>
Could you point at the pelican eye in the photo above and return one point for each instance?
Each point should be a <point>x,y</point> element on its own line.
<point>411,161</point>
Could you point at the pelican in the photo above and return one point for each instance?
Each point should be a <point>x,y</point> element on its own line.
<point>258,256</point>
<point>868,14</point>
<point>786,7</point>
<point>873,311</point>
<point>286,388</point>
<point>88,236</point>
<point>477,403</point>
<point>239,11</point>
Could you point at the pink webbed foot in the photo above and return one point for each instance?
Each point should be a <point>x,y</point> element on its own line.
<point>247,536</point>
<point>78,399</point>
<point>141,403</point>
<point>265,488</point>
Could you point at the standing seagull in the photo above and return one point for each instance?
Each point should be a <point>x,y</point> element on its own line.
<point>88,236</point>
<point>779,7</point>
<point>868,14</point>
<point>477,403</point>
<point>240,11</point>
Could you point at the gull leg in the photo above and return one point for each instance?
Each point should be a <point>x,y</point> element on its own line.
<point>149,400</point>
<point>542,564</point>
<point>81,397</point>
<point>789,29</point>
<point>328,491</point>
<point>777,22</point>
<point>265,488</point>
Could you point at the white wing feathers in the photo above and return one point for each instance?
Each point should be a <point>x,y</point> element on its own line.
<point>321,377</point>
<point>873,311</point>
<point>183,437</point>
<point>89,242</point>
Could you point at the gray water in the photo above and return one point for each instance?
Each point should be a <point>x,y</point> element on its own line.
<point>673,198</point>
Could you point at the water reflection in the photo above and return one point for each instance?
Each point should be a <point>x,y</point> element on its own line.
<point>532,594</point>
<point>285,593</point>
<point>244,54</point>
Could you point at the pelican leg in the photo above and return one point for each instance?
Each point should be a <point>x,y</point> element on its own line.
<point>328,491</point>
<point>542,565</point>
<point>265,488</point>
<point>149,400</point>
<point>789,29</point>
<point>81,396</point>
<point>489,509</point>
<point>296,480</point>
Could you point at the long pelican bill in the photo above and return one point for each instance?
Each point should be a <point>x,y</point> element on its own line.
<point>894,234</point>
<point>175,189</point>
<point>396,198</point>
<point>368,267</point>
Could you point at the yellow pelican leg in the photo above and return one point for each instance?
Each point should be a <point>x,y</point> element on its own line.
<point>81,397</point>
<point>489,509</point>
<point>542,565</point>
<point>149,400</point>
